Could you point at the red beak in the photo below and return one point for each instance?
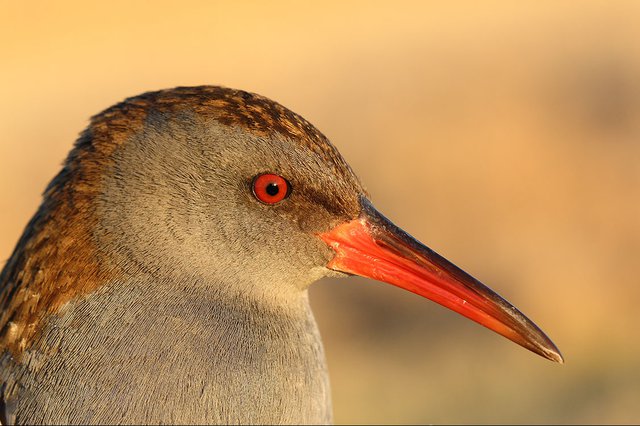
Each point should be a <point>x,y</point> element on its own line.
<point>372,246</point>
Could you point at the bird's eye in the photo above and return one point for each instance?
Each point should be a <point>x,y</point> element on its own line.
<point>270,188</point>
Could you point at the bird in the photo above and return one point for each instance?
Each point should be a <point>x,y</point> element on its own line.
<point>164,277</point>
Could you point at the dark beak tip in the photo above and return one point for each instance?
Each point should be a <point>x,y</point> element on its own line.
<point>542,345</point>
<point>553,354</point>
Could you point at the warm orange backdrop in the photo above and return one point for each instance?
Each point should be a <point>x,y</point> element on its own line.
<point>505,135</point>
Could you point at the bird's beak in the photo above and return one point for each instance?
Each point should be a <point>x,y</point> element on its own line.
<point>372,246</point>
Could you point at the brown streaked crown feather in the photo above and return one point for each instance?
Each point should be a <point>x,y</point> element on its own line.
<point>56,259</point>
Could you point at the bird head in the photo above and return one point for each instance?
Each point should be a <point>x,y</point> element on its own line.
<point>233,193</point>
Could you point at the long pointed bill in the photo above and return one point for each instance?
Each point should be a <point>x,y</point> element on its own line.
<point>372,246</point>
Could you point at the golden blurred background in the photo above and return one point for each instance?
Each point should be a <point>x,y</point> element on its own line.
<point>505,135</point>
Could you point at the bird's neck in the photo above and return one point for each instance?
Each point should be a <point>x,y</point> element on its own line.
<point>158,354</point>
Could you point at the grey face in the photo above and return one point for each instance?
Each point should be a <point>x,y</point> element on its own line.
<point>178,202</point>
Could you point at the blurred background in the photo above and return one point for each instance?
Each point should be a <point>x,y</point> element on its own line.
<point>505,135</point>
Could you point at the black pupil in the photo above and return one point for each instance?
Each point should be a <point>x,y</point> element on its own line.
<point>272,189</point>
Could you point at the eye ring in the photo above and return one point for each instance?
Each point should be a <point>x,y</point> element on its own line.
<point>269,188</point>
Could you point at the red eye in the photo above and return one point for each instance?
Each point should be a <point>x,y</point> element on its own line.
<point>270,188</point>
